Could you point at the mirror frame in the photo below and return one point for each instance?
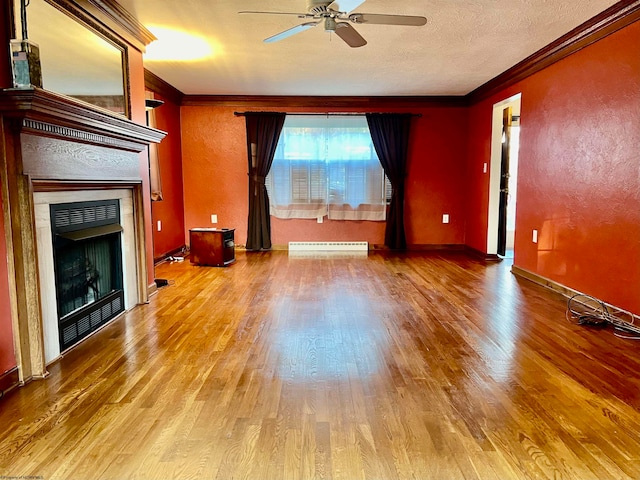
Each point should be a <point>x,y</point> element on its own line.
<point>82,17</point>
<point>79,11</point>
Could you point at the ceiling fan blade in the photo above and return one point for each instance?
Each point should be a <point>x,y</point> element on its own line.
<point>299,15</point>
<point>345,5</point>
<point>292,31</point>
<point>375,19</point>
<point>349,34</point>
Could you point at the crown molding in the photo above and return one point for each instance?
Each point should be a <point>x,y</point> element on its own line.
<point>615,18</point>
<point>351,103</point>
<point>110,14</point>
<point>155,84</point>
<point>618,16</point>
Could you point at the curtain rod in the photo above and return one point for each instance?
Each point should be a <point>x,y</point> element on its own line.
<point>330,114</point>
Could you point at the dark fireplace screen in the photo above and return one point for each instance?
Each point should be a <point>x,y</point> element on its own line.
<point>88,267</point>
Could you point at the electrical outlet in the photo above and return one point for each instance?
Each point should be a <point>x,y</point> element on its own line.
<point>214,218</point>
<point>159,225</point>
<point>445,218</point>
<point>535,236</point>
<point>484,169</point>
<point>320,219</point>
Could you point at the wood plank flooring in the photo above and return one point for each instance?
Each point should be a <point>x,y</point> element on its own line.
<point>391,366</point>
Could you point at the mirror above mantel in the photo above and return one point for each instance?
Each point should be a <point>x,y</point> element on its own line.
<point>78,59</point>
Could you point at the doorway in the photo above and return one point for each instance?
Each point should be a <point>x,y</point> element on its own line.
<point>503,177</point>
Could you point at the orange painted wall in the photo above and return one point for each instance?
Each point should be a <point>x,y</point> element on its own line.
<point>170,210</point>
<point>578,176</point>
<point>215,179</point>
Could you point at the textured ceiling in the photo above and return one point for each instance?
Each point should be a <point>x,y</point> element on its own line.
<point>464,44</point>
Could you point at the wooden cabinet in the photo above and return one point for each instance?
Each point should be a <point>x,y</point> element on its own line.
<point>212,246</point>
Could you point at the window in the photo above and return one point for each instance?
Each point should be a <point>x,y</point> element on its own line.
<point>326,166</point>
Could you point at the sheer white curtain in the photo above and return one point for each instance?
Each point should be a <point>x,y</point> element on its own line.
<point>326,166</point>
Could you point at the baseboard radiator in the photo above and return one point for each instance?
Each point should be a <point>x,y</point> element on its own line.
<point>328,246</point>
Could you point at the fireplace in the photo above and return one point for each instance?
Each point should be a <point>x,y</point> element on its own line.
<point>58,151</point>
<point>86,219</point>
<point>88,267</point>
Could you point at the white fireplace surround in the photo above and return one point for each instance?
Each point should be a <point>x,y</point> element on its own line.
<point>46,273</point>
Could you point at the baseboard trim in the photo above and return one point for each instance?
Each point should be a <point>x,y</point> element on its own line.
<point>278,247</point>
<point>421,247</point>
<point>431,247</point>
<point>416,247</point>
<point>8,381</point>
<point>152,288</point>
<point>162,258</point>
<point>563,290</point>
<point>543,281</point>
<point>487,257</point>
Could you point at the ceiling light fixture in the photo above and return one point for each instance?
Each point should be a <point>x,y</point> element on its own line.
<point>178,46</point>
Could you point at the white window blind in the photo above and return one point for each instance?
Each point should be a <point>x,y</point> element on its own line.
<point>326,166</point>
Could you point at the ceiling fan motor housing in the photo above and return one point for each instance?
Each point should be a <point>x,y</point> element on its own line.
<point>317,7</point>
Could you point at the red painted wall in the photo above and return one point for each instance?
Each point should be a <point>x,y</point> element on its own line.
<point>477,191</point>
<point>7,354</point>
<point>215,179</point>
<point>578,177</point>
<point>170,210</point>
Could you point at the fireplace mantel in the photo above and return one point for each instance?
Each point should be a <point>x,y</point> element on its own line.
<point>38,107</point>
<point>51,142</point>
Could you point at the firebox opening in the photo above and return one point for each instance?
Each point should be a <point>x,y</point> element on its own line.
<point>88,267</point>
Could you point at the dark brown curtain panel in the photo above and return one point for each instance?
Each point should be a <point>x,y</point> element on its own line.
<point>390,136</point>
<point>263,132</point>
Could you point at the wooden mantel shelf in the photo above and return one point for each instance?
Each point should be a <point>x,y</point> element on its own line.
<point>54,115</point>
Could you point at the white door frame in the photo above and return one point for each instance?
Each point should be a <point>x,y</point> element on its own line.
<point>494,177</point>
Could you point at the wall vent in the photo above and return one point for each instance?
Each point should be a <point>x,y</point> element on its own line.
<point>78,325</point>
<point>69,217</point>
<point>328,246</point>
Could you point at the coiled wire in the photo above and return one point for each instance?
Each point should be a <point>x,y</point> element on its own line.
<point>585,310</point>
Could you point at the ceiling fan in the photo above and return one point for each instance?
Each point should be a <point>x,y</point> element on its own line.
<point>337,18</point>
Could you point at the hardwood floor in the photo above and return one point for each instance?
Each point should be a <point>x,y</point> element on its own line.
<point>416,366</point>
